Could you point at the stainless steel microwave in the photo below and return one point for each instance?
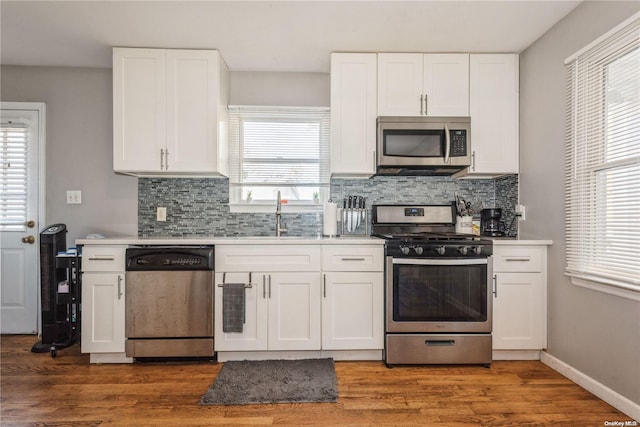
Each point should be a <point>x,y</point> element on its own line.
<point>423,145</point>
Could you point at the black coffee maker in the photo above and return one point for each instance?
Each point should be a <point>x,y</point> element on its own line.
<point>490,224</point>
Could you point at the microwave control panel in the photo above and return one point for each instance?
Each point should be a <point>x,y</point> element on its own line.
<point>458,143</point>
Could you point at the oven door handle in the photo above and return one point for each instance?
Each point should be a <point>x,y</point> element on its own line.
<point>429,261</point>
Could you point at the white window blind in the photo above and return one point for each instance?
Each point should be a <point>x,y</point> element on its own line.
<point>13,176</point>
<point>278,148</point>
<point>603,160</point>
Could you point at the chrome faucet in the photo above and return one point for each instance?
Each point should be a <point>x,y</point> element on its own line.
<point>280,228</point>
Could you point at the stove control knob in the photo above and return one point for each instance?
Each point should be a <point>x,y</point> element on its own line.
<point>477,250</point>
<point>418,249</point>
<point>404,250</point>
<point>440,250</point>
<point>463,250</point>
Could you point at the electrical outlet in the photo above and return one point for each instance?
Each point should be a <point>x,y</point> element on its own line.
<point>74,197</point>
<point>520,211</point>
<point>161,214</point>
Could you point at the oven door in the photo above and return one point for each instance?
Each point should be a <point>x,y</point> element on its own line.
<point>427,295</point>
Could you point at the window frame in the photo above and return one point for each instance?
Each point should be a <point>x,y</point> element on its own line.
<point>588,72</point>
<point>237,202</point>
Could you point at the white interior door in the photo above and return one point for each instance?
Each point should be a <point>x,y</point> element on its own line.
<point>21,142</point>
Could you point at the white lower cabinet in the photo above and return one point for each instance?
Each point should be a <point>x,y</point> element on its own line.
<point>282,304</point>
<point>331,299</point>
<point>353,297</point>
<point>103,313</point>
<point>518,314</point>
<point>282,312</point>
<point>352,311</point>
<point>103,303</point>
<point>519,303</point>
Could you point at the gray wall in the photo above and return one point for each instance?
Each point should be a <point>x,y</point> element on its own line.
<point>284,89</point>
<point>596,333</point>
<point>78,148</point>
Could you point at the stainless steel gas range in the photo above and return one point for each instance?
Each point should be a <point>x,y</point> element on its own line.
<point>438,287</point>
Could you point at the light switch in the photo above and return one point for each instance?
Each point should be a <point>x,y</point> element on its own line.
<point>74,197</point>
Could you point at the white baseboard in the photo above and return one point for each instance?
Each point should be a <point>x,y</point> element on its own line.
<point>338,355</point>
<point>516,355</point>
<point>614,399</point>
<point>109,358</point>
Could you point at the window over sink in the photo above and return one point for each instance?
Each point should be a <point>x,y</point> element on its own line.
<point>275,149</point>
<point>603,163</point>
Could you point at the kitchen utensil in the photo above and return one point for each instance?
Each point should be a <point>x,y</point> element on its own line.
<point>349,216</point>
<point>356,212</point>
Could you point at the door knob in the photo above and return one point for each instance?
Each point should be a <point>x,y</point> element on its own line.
<point>29,239</point>
<point>31,223</point>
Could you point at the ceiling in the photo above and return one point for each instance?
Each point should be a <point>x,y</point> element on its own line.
<point>267,35</point>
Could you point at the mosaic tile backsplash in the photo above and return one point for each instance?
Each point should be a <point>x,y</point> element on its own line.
<point>200,206</point>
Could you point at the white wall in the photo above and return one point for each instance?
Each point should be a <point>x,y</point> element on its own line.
<point>79,148</point>
<point>596,333</point>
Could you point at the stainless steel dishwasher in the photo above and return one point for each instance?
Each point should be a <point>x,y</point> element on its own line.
<point>169,301</point>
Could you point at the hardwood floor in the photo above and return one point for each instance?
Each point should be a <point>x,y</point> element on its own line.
<point>39,390</point>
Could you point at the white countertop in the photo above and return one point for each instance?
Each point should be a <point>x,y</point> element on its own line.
<point>252,240</point>
<point>518,242</point>
<point>271,240</point>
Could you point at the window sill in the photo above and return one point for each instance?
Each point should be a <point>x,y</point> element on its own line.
<point>257,207</point>
<point>619,291</point>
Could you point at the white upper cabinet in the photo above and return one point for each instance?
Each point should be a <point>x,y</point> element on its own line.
<point>170,112</point>
<point>416,84</point>
<point>353,114</point>
<point>493,104</point>
<point>446,84</point>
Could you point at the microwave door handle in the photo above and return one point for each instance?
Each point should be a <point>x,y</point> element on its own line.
<point>447,144</point>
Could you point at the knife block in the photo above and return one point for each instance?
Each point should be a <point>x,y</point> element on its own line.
<point>348,216</point>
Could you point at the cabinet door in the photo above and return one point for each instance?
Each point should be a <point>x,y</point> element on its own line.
<point>352,311</point>
<point>254,332</point>
<point>446,84</point>
<point>493,104</point>
<point>294,311</point>
<point>353,114</point>
<point>103,313</point>
<point>192,95</point>
<point>518,312</point>
<point>139,109</point>
<point>400,84</point>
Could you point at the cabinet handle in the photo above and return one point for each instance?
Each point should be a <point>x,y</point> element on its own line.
<point>166,159</point>
<point>119,286</point>
<point>517,259</point>
<point>495,286</point>
<point>102,258</point>
<point>473,161</point>
<point>269,286</point>
<point>421,104</point>
<point>447,140</point>
<point>324,285</point>
<point>162,159</point>
<point>352,259</point>
<point>264,287</point>
<point>425,105</point>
